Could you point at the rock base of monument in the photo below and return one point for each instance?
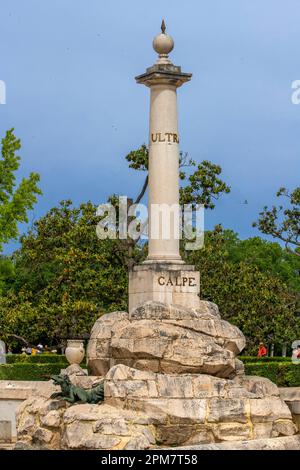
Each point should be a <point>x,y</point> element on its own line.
<point>166,338</point>
<point>274,443</point>
<point>144,410</point>
<point>171,379</point>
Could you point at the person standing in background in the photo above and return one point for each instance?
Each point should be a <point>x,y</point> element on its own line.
<point>262,350</point>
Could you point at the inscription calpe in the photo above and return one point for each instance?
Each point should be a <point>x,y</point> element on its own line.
<point>169,137</point>
<point>177,281</point>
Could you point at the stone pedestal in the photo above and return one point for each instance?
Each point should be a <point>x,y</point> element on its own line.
<point>177,284</point>
<point>5,431</point>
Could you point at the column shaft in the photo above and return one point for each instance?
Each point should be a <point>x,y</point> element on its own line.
<point>163,174</point>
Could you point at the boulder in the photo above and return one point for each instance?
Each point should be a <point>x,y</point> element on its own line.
<point>38,421</point>
<point>194,408</point>
<point>105,427</point>
<point>98,352</point>
<point>83,427</point>
<point>79,377</point>
<point>167,339</point>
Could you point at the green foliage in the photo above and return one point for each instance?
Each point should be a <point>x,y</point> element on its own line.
<point>37,359</point>
<point>283,374</point>
<point>283,223</point>
<point>138,159</point>
<point>14,201</point>
<point>23,367</point>
<point>65,278</point>
<point>254,359</point>
<point>25,371</point>
<point>268,257</point>
<point>185,162</point>
<point>7,272</point>
<point>204,186</point>
<point>257,301</point>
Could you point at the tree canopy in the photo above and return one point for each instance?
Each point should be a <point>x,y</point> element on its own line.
<point>248,287</point>
<point>283,223</point>
<point>63,276</point>
<point>15,201</point>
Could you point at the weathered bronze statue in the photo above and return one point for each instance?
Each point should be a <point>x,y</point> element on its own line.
<point>71,393</point>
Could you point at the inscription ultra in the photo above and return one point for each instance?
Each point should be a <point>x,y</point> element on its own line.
<point>169,137</point>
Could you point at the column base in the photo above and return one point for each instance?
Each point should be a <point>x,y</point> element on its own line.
<point>164,260</point>
<point>164,282</point>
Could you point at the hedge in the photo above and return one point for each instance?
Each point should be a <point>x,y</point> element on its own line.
<point>279,370</point>
<point>23,371</point>
<point>37,359</point>
<point>255,359</point>
<point>284,374</point>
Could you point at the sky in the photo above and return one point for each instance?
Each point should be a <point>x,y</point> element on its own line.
<point>69,68</point>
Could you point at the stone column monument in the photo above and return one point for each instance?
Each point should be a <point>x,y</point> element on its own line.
<point>163,276</point>
<point>169,366</point>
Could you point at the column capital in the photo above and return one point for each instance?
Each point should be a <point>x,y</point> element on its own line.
<point>160,74</point>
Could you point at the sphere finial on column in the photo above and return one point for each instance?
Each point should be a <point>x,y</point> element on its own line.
<point>163,44</point>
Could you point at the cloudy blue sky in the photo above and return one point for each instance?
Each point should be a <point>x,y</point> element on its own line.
<point>69,69</point>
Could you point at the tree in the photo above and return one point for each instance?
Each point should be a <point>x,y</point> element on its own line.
<point>203,186</point>
<point>248,293</point>
<point>15,202</point>
<point>7,272</point>
<point>269,257</point>
<point>283,223</point>
<point>65,277</point>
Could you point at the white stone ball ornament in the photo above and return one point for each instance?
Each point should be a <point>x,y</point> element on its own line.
<point>163,44</point>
